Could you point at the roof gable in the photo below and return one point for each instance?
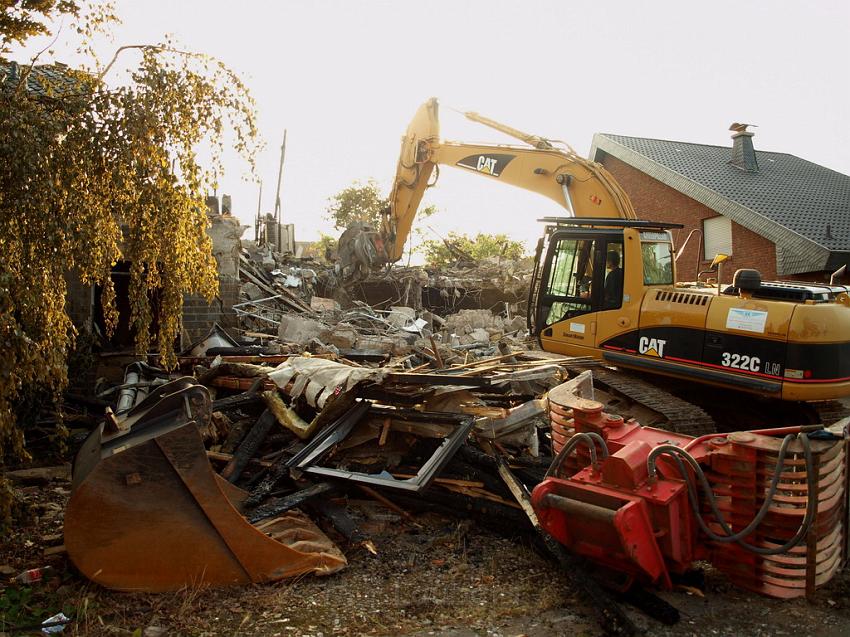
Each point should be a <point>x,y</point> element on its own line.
<point>790,201</point>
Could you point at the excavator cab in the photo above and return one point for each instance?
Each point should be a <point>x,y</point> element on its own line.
<point>590,277</point>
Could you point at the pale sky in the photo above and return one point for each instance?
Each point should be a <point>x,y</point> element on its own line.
<point>345,78</point>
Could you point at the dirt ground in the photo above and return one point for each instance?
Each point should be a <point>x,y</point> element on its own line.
<point>443,577</point>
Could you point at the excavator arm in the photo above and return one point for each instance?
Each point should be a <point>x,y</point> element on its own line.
<point>584,188</point>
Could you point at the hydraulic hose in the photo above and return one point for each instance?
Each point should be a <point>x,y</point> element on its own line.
<point>765,507</point>
<point>591,439</point>
<point>678,455</point>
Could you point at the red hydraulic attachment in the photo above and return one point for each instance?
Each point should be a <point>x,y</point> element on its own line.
<point>782,496</point>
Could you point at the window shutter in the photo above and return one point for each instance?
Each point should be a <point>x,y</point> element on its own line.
<point>717,237</point>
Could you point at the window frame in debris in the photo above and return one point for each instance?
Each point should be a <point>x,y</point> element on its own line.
<point>307,460</point>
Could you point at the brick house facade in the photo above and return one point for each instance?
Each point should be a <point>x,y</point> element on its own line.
<point>788,217</point>
<point>81,301</point>
<point>659,202</point>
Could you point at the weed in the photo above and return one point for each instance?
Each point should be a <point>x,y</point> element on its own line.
<point>21,606</point>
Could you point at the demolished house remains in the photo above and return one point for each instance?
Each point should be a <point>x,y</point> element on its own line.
<point>302,391</point>
<point>247,463</point>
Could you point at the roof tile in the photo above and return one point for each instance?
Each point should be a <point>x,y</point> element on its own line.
<point>788,190</point>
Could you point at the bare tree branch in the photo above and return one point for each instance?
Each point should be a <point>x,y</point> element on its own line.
<point>144,47</point>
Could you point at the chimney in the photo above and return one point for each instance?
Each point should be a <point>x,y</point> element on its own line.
<point>743,153</point>
<point>212,205</point>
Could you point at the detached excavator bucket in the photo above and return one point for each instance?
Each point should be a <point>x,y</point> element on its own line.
<point>147,512</point>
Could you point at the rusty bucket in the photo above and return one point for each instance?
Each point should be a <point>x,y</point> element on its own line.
<point>148,513</point>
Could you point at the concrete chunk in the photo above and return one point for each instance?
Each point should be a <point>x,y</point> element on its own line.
<point>343,337</point>
<point>301,330</point>
<point>321,304</point>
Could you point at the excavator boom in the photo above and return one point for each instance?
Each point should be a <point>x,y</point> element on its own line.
<point>583,187</point>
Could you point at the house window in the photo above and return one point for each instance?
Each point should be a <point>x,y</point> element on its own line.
<point>717,237</point>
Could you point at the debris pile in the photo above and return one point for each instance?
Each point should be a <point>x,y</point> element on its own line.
<point>274,283</point>
<point>281,312</point>
<point>253,461</point>
<point>370,405</point>
<point>259,461</point>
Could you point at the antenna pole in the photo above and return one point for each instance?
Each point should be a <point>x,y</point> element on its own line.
<point>279,178</point>
<point>258,220</point>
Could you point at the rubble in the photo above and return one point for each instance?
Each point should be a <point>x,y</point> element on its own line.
<point>376,401</point>
<point>314,401</point>
<point>407,298</point>
<point>300,330</point>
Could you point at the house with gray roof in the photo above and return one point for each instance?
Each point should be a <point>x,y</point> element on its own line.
<point>42,81</point>
<point>780,214</point>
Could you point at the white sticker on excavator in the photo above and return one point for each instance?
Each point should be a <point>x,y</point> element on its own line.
<point>748,320</point>
<point>577,328</point>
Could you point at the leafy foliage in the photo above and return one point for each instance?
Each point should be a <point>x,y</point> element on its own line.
<point>323,250</point>
<point>460,247</point>
<point>22,19</point>
<point>363,203</point>
<point>93,174</point>
<point>358,202</point>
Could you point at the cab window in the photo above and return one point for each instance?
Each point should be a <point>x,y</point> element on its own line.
<point>657,253</point>
<point>567,292</point>
<point>612,296</point>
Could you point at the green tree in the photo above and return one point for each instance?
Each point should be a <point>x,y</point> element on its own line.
<point>323,250</point>
<point>91,174</point>
<point>363,203</point>
<point>359,202</point>
<point>457,248</point>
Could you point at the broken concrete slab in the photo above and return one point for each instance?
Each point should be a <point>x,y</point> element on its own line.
<point>321,304</point>
<point>467,320</point>
<point>400,316</point>
<point>251,291</point>
<point>397,345</point>
<point>301,330</point>
<point>343,337</point>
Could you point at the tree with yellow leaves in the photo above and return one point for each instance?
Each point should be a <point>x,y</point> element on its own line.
<point>91,174</point>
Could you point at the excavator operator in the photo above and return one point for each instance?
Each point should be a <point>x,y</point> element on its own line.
<point>613,281</point>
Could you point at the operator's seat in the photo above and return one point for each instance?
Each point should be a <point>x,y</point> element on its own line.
<point>747,280</point>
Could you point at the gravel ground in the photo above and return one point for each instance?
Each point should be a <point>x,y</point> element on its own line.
<point>442,577</point>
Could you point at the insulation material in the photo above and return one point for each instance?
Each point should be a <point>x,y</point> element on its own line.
<point>318,378</point>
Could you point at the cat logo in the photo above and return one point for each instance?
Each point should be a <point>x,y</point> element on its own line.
<point>488,164</point>
<point>651,346</point>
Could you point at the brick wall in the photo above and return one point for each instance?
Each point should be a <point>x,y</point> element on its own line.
<point>659,202</point>
<point>199,316</point>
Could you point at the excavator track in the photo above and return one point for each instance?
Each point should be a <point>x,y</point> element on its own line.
<point>681,416</point>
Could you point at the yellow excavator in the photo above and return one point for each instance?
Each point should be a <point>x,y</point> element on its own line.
<point>604,281</point>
